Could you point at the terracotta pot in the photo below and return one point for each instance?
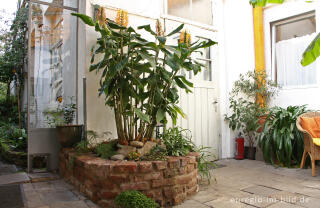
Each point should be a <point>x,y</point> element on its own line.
<point>69,135</point>
<point>262,121</point>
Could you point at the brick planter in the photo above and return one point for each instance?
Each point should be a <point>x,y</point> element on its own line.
<point>167,182</point>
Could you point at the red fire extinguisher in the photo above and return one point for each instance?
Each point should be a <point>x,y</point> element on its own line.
<point>239,148</point>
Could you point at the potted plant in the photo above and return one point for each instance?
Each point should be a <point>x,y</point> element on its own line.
<point>140,78</point>
<point>256,86</point>
<point>62,119</point>
<point>248,114</point>
<point>245,118</point>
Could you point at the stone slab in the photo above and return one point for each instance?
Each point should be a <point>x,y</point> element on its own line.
<point>261,190</point>
<point>7,169</point>
<point>39,177</point>
<point>14,178</point>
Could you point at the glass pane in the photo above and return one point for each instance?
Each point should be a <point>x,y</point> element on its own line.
<point>179,8</point>
<point>52,62</point>
<point>202,11</point>
<point>296,29</point>
<point>68,3</point>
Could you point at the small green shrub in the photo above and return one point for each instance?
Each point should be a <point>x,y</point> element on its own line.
<point>156,153</point>
<point>83,146</point>
<point>106,150</point>
<point>178,141</point>
<point>204,163</point>
<point>280,141</point>
<point>13,136</point>
<point>134,199</point>
<point>136,156</point>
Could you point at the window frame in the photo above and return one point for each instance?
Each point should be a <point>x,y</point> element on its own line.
<point>273,25</point>
<point>166,15</point>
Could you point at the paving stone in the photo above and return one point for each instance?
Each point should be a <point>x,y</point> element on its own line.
<point>91,204</point>
<point>191,204</point>
<point>284,205</point>
<point>287,197</point>
<point>7,169</point>
<point>38,177</point>
<point>72,204</point>
<point>14,178</point>
<point>227,202</point>
<point>261,190</point>
<point>57,196</point>
<point>309,202</point>
<point>258,201</point>
<point>205,196</point>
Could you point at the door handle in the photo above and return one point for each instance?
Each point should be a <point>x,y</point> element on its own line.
<point>215,102</point>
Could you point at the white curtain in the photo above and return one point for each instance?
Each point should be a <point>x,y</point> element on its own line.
<point>288,56</point>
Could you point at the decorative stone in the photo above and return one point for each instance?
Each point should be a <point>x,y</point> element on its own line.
<point>125,150</point>
<point>118,157</point>
<point>146,148</point>
<point>136,144</point>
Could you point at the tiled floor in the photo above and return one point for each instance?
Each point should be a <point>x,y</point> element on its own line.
<point>238,184</point>
<point>249,183</point>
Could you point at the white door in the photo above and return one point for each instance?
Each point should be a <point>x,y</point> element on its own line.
<point>201,106</point>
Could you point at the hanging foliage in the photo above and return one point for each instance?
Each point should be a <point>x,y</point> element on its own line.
<point>139,78</point>
<point>312,52</point>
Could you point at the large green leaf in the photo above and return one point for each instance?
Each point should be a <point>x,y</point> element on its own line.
<point>147,28</point>
<point>178,29</point>
<point>161,114</point>
<point>141,115</point>
<point>86,19</point>
<point>312,52</point>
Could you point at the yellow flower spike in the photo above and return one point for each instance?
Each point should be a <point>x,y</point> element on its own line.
<point>185,37</point>
<point>122,18</point>
<point>101,16</point>
<point>59,99</point>
<point>159,30</point>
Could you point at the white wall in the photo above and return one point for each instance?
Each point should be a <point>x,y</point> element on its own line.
<point>292,96</point>
<point>236,45</point>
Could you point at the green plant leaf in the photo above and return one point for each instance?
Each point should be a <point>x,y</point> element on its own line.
<point>147,28</point>
<point>141,115</point>
<point>161,114</point>
<point>178,29</point>
<point>86,19</point>
<point>312,52</point>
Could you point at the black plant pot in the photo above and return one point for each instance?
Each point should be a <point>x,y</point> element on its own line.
<point>69,135</point>
<point>250,153</point>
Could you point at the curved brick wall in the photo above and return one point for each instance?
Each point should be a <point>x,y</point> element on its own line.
<point>167,182</point>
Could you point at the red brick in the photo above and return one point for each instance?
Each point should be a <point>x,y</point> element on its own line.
<point>192,183</point>
<point>109,194</point>
<point>174,162</point>
<point>140,186</point>
<point>184,179</point>
<point>183,161</point>
<point>145,167</point>
<point>189,168</point>
<point>148,176</point>
<point>160,165</point>
<point>122,178</point>
<point>105,203</point>
<point>191,159</point>
<point>179,199</point>
<point>192,190</point>
<point>125,167</point>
